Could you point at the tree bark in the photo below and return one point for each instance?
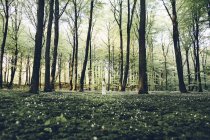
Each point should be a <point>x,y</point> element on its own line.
<point>90,68</point>
<point>56,38</point>
<point>87,47</point>
<point>27,70</point>
<point>121,47</point>
<point>143,88</point>
<point>72,64</point>
<point>188,70</point>
<point>198,53</point>
<point>20,70</point>
<point>15,27</point>
<point>59,71</point>
<point>129,25</point>
<point>76,45</point>
<point>4,40</point>
<point>38,47</point>
<point>47,86</point>
<point>177,49</point>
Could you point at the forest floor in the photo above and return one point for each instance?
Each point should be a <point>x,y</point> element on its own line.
<point>94,116</point>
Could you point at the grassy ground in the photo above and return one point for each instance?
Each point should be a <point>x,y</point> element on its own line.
<point>93,116</point>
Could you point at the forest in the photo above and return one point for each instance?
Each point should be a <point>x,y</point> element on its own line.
<point>74,45</point>
<point>149,57</point>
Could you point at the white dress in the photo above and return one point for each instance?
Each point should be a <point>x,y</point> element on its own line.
<point>103,88</point>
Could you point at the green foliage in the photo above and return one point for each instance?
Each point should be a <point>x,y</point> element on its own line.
<point>114,116</point>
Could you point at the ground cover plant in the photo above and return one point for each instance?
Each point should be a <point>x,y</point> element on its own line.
<point>113,116</point>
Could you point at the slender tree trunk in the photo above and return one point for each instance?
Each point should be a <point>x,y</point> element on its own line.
<point>166,73</point>
<point>177,49</point>
<point>129,25</point>
<point>40,79</point>
<point>87,47</point>
<point>56,38</point>
<point>29,76</point>
<point>5,71</point>
<point>69,70</point>
<point>76,47</point>
<point>38,47</point>
<point>59,71</point>
<point>4,41</point>
<point>47,85</point>
<point>143,88</point>
<point>16,25</point>
<point>188,69</point>
<point>27,70</point>
<point>90,68</point>
<point>198,53</point>
<point>8,70</point>
<point>20,70</point>
<point>72,64</point>
<point>109,68</point>
<point>121,47</point>
<point>194,62</point>
<point>113,67</point>
<point>14,64</point>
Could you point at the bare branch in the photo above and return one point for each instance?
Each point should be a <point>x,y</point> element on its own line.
<point>164,4</point>
<point>64,8</point>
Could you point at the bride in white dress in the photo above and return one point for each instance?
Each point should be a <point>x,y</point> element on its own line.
<point>103,87</point>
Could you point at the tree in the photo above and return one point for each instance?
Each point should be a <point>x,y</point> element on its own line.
<point>6,10</point>
<point>108,44</point>
<point>165,50</point>
<point>118,18</point>
<point>34,88</point>
<point>129,26</point>
<point>143,88</point>
<point>57,16</point>
<point>16,22</point>
<point>87,47</point>
<point>176,42</point>
<point>47,86</point>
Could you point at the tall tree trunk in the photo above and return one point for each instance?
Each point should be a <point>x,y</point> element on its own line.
<point>56,38</point>
<point>20,70</point>
<point>38,47</point>
<point>76,46</point>
<point>40,77</point>
<point>118,18</point>
<point>121,47</point>
<point>113,67</point>
<point>129,25</point>
<point>47,86</point>
<point>69,70</point>
<point>195,87</point>
<point>4,41</point>
<point>166,73</point>
<point>188,69</point>
<point>176,42</point>
<point>87,47</point>
<point>27,70</point>
<point>143,88</point>
<point>16,22</point>
<point>14,64</point>
<point>90,68</point>
<point>72,63</point>
<point>109,68</point>
<point>177,49</point>
<point>198,53</point>
<point>59,71</point>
